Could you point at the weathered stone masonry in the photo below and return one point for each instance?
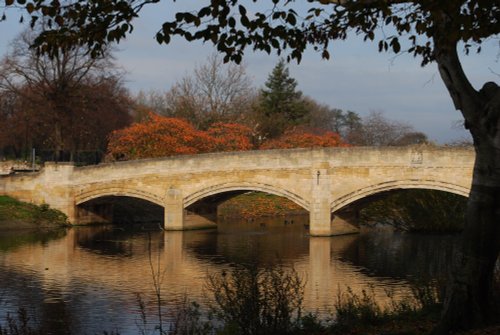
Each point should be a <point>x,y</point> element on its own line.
<point>322,181</point>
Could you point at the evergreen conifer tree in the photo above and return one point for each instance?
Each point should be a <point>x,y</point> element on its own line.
<point>282,105</point>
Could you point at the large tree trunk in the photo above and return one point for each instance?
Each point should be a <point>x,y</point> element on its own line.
<point>58,141</point>
<point>469,300</point>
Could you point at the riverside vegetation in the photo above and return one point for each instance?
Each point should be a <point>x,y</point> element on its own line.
<point>17,214</point>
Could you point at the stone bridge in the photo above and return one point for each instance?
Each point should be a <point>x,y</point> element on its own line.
<point>187,189</point>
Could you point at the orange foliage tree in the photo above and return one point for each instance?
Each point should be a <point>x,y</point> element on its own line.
<point>230,137</point>
<point>157,136</point>
<point>301,139</point>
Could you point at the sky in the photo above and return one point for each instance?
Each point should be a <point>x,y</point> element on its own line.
<point>357,77</point>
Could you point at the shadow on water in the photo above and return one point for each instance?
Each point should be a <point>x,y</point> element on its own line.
<point>375,253</point>
<point>401,255</point>
<point>47,308</point>
<point>12,239</point>
<point>47,282</point>
<point>259,241</point>
<point>118,240</point>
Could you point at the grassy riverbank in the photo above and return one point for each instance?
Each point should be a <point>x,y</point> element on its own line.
<point>15,214</point>
<point>258,204</point>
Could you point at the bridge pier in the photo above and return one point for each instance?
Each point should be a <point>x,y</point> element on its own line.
<point>321,220</point>
<point>320,214</point>
<point>174,210</point>
<point>197,216</point>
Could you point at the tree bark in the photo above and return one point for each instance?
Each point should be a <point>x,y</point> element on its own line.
<point>58,141</point>
<point>469,302</point>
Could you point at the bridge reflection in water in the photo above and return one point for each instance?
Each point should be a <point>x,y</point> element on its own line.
<point>90,276</point>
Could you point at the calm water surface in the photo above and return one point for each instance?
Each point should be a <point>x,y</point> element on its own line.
<point>88,279</point>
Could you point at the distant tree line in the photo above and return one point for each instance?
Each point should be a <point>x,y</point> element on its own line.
<point>73,107</point>
<point>60,106</point>
<point>278,112</point>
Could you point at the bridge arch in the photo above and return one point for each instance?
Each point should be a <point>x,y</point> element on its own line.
<point>228,187</point>
<point>119,192</point>
<point>349,198</point>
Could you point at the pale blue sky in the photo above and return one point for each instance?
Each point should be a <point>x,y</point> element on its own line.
<point>356,78</point>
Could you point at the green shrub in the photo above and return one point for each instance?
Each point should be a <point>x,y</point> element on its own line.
<point>45,216</point>
<point>354,311</point>
<point>253,301</point>
<point>188,320</point>
<point>312,324</point>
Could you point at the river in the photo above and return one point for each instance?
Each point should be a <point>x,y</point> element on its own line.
<point>87,280</point>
